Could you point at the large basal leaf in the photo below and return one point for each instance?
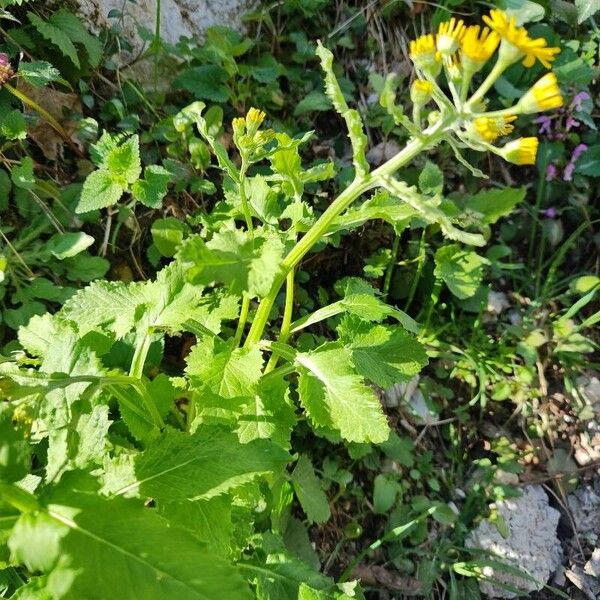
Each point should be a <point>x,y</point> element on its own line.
<point>310,494</point>
<point>336,397</point>
<point>105,548</point>
<point>210,462</point>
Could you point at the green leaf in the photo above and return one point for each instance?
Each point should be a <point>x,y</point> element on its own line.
<point>179,466</point>
<point>99,191</point>
<point>123,163</point>
<point>308,489</point>
<point>385,491</point>
<point>66,245</point>
<point>335,396</point>
<point>315,101</point>
<point>15,453</point>
<point>67,22</point>
<point>461,270</point>
<point>586,9</point>
<point>243,261</point>
<point>431,179</point>
<point>151,190</point>
<point>167,234</point>
<point>38,73</point>
<point>229,372</point>
<point>81,536</point>
<point>490,205</point>
<point>22,175</point>
<point>13,126</point>
<point>56,36</point>
<point>207,82</point>
<point>382,354</point>
<point>589,162</point>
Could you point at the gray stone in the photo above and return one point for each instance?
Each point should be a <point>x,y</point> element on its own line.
<point>531,545</point>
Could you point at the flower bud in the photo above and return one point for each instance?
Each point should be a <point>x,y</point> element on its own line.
<point>521,152</point>
<point>543,95</point>
<point>420,92</point>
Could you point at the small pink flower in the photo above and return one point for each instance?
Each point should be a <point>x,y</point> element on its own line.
<point>579,150</point>
<point>570,168</point>
<point>545,124</point>
<point>550,213</point>
<point>6,71</point>
<point>571,123</point>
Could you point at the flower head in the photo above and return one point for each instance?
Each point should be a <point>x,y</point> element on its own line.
<point>491,128</point>
<point>543,95</point>
<point>424,54</point>
<point>477,46</point>
<point>6,70</point>
<point>522,151</point>
<point>449,35</point>
<point>420,91</point>
<point>516,42</point>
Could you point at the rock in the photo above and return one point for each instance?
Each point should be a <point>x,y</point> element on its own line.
<point>584,505</point>
<point>400,392</point>
<point>179,18</point>
<point>531,546</point>
<point>382,152</point>
<point>497,302</point>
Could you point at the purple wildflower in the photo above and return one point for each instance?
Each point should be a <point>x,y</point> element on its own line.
<point>570,168</point>
<point>550,213</point>
<point>545,124</point>
<point>6,71</point>
<point>579,99</point>
<point>551,172</point>
<point>571,123</point>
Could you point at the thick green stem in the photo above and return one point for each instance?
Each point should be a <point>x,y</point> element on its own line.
<point>242,320</point>
<point>488,82</point>
<point>287,318</point>
<point>358,187</point>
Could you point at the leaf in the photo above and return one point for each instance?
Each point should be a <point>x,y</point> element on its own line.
<point>67,22</point>
<point>491,205</point>
<point>151,190</point>
<point>56,36</point>
<point>15,453</point>
<point>38,73</point>
<point>99,191</point>
<point>229,372</point>
<point>385,491</point>
<point>308,489</point>
<point>123,162</point>
<point>179,466</point>
<point>22,175</point>
<point>65,245</point>
<point>586,9</point>
<point>461,270</point>
<point>335,396</point>
<point>382,354</point>
<point>167,234</point>
<point>315,101</point>
<point>80,537</point>
<point>589,162</point>
<point>13,126</point>
<point>243,261</point>
<point>431,179</point>
<point>205,82</point>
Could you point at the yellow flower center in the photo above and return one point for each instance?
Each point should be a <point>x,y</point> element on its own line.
<point>491,128</point>
<point>520,44</point>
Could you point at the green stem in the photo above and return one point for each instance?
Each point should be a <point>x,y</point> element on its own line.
<point>390,268</point>
<point>417,277</point>
<point>488,82</point>
<point>139,356</point>
<point>244,198</point>
<point>358,187</point>
<point>18,498</point>
<point>287,318</point>
<point>541,189</point>
<point>242,320</point>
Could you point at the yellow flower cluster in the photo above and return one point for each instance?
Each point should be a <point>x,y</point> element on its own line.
<point>463,50</point>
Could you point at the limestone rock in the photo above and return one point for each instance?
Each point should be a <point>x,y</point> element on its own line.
<point>532,544</point>
<point>179,18</point>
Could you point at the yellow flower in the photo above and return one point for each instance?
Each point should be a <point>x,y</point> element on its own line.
<point>521,152</point>
<point>454,68</point>
<point>544,95</point>
<point>254,119</point>
<point>516,42</point>
<point>491,128</point>
<point>449,35</point>
<point>477,46</point>
<point>424,54</point>
<point>420,91</point>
